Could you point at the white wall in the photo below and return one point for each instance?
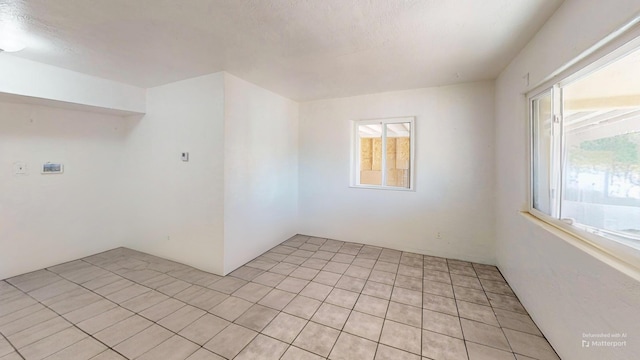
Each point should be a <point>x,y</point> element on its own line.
<point>175,208</point>
<point>61,87</point>
<point>50,219</point>
<point>454,173</point>
<point>260,171</point>
<point>567,291</point>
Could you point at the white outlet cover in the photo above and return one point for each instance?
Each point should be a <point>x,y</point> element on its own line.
<point>20,168</point>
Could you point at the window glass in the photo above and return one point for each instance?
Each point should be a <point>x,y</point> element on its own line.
<point>370,154</point>
<point>398,154</point>
<point>383,153</point>
<point>601,126</point>
<point>542,114</point>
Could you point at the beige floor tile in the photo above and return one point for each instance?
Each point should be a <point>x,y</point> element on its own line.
<point>336,267</point>
<point>108,355</point>
<point>82,350</point>
<point>400,336</point>
<point>277,299</point>
<point>304,273</point>
<point>481,352</point>
<point>350,283</point>
<point>388,353</point>
<point>257,317</point>
<point>386,266</point>
<point>470,295</point>
<point>484,334</point>
<point>144,301</point>
<point>439,303</point>
<point>246,273</point>
<point>104,320</point>
<point>498,287</point>
<point>263,348</point>
<point>378,290</point>
<point>437,288</point>
<point>252,292</point>
<point>269,279</point>
<point>441,323</point>
<point>516,321</point>
<point>530,345</point>
<point>405,314</point>
<point>364,325</point>
<point>345,298</point>
<point>292,285</point>
<point>231,308</point>
<point>285,327</point>
<point>477,312</point>
<point>350,347</point>
<point>227,285</point>
<point>203,329</point>
<point>181,318</point>
<point>294,353</point>
<point>123,330</point>
<point>52,344</point>
<point>331,315</point>
<point>327,278</point>
<point>407,282</point>
<point>438,346</point>
<point>316,291</point>
<point>316,338</point>
<point>25,322</point>
<point>162,309</point>
<point>302,306</point>
<point>38,332</point>
<point>203,354</point>
<point>372,305</point>
<point>406,296</point>
<point>382,277</point>
<point>174,348</point>
<point>230,341</point>
<point>506,302</point>
<point>143,341</point>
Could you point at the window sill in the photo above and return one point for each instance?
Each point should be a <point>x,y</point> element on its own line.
<point>381,188</point>
<point>583,241</point>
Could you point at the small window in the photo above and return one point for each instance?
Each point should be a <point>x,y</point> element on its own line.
<point>586,151</point>
<point>383,153</point>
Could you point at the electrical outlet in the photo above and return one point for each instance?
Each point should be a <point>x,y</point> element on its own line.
<point>20,168</point>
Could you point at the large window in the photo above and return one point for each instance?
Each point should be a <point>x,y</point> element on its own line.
<point>383,153</point>
<point>586,151</point>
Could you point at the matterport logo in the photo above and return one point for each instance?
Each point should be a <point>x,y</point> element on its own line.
<point>610,340</point>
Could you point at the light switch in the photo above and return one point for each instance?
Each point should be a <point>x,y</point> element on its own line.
<point>185,156</point>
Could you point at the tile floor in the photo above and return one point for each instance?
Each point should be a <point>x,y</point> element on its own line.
<point>308,298</point>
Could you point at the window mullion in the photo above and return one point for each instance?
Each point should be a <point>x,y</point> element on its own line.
<point>383,154</point>
<point>556,154</point>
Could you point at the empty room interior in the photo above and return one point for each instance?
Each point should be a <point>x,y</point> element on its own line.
<point>323,179</point>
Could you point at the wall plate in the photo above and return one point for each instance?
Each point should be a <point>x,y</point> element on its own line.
<point>51,168</point>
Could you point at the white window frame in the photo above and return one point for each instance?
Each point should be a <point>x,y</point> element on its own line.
<point>355,153</point>
<point>615,46</point>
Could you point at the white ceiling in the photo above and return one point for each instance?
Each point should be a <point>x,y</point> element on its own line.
<point>303,50</point>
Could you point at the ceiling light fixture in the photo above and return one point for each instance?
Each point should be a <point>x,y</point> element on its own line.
<point>11,46</point>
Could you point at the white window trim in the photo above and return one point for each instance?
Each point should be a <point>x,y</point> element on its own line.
<point>354,181</point>
<point>611,48</point>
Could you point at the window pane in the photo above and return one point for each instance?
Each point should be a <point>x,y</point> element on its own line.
<point>602,149</point>
<point>370,154</point>
<point>542,112</point>
<point>398,152</point>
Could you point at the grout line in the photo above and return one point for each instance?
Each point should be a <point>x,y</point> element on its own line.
<point>12,346</point>
<point>143,259</point>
